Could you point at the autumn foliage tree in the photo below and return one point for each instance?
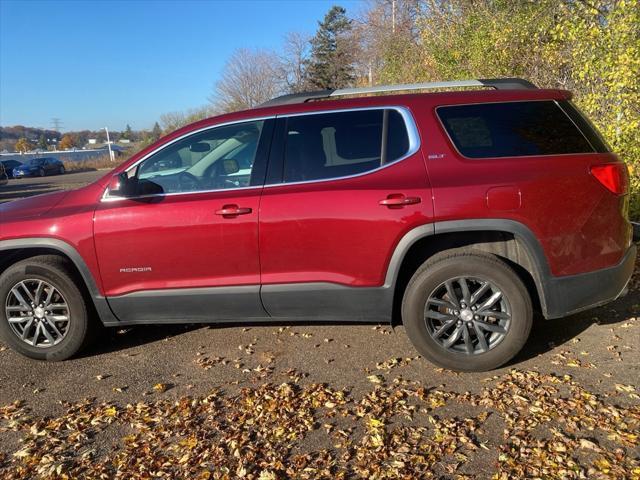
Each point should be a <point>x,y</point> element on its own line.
<point>68,141</point>
<point>23,145</point>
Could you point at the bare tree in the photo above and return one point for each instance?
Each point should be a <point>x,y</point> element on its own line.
<point>250,77</point>
<point>388,33</point>
<point>295,53</point>
<point>173,120</point>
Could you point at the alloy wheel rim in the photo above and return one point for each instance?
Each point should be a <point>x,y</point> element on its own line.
<point>38,313</point>
<point>467,315</point>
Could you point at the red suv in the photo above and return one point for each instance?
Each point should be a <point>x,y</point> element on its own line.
<point>459,213</point>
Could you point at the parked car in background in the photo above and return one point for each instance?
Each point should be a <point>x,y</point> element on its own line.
<point>3,175</point>
<point>39,167</point>
<point>458,213</point>
<point>9,165</point>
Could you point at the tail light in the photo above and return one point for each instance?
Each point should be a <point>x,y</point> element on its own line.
<point>614,176</point>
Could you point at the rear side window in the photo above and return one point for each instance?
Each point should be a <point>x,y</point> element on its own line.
<point>338,144</point>
<point>586,127</point>
<point>513,129</point>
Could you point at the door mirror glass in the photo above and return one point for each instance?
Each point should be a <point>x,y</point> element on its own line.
<point>120,186</point>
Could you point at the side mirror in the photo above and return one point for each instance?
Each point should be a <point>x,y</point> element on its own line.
<point>120,185</point>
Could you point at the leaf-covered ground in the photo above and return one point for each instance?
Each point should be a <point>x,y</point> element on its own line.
<point>275,402</point>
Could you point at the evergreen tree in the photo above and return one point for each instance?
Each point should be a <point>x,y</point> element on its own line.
<point>331,64</point>
<point>128,133</point>
<point>42,142</point>
<point>156,132</point>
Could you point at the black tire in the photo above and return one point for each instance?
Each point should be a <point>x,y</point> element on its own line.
<point>454,264</point>
<point>61,172</point>
<point>55,271</point>
<point>41,172</point>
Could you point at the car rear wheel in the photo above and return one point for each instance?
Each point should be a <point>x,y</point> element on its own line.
<point>43,314</point>
<point>61,171</point>
<point>467,311</point>
<point>41,172</point>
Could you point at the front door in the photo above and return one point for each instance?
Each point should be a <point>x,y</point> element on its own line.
<point>183,245</point>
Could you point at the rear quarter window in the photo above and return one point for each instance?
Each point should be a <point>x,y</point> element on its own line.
<point>513,129</point>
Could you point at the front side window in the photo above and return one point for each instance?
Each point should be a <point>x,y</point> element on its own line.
<point>218,158</point>
<point>512,129</point>
<point>339,144</point>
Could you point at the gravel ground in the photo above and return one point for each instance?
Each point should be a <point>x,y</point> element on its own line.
<point>324,401</point>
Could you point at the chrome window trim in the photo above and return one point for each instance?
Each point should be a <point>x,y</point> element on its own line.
<point>476,159</point>
<point>405,113</point>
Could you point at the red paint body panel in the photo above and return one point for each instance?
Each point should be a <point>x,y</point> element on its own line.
<point>504,199</point>
<point>180,239</point>
<point>332,231</point>
<point>337,231</point>
<point>69,219</point>
<point>580,224</point>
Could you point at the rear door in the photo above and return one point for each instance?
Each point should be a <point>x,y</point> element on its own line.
<point>343,188</point>
<point>185,247</point>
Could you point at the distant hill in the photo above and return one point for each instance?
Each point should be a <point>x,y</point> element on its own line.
<point>10,135</point>
<point>31,133</point>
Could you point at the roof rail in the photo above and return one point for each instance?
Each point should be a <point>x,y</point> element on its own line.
<point>497,83</point>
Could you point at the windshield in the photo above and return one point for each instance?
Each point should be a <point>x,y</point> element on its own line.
<point>34,162</point>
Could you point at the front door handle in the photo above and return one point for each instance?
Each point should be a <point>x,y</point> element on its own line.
<point>398,200</point>
<point>232,211</point>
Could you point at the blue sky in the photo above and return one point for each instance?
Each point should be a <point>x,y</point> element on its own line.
<point>108,63</point>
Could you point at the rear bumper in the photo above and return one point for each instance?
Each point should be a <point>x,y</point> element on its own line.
<point>574,293</point>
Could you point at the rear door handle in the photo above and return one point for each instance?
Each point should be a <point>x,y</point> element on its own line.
<point>232,211</point>
<point>398,200</point>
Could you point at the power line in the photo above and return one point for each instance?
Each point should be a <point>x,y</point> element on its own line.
<point>56,123</point>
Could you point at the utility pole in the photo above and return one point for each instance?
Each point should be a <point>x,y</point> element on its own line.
<point>109,145</point>
<point>393,16</point>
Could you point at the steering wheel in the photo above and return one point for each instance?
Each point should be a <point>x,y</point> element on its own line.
<point>188,182</point>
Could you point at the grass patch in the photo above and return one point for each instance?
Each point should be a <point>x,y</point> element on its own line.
<point>96,163</point>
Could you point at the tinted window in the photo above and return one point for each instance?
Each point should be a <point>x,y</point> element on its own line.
<point>332,145</point>
<point>586,127</point>
<point>398,138</point>
<point>512,129</point>
<point>217,158</point>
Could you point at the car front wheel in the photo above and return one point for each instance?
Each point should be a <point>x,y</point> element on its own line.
<point>43,314</point>
<point>467,311</point>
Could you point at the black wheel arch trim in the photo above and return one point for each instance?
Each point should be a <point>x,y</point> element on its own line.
<point>559,296</point>
<point>102,307</point>
<point>521,232</point>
